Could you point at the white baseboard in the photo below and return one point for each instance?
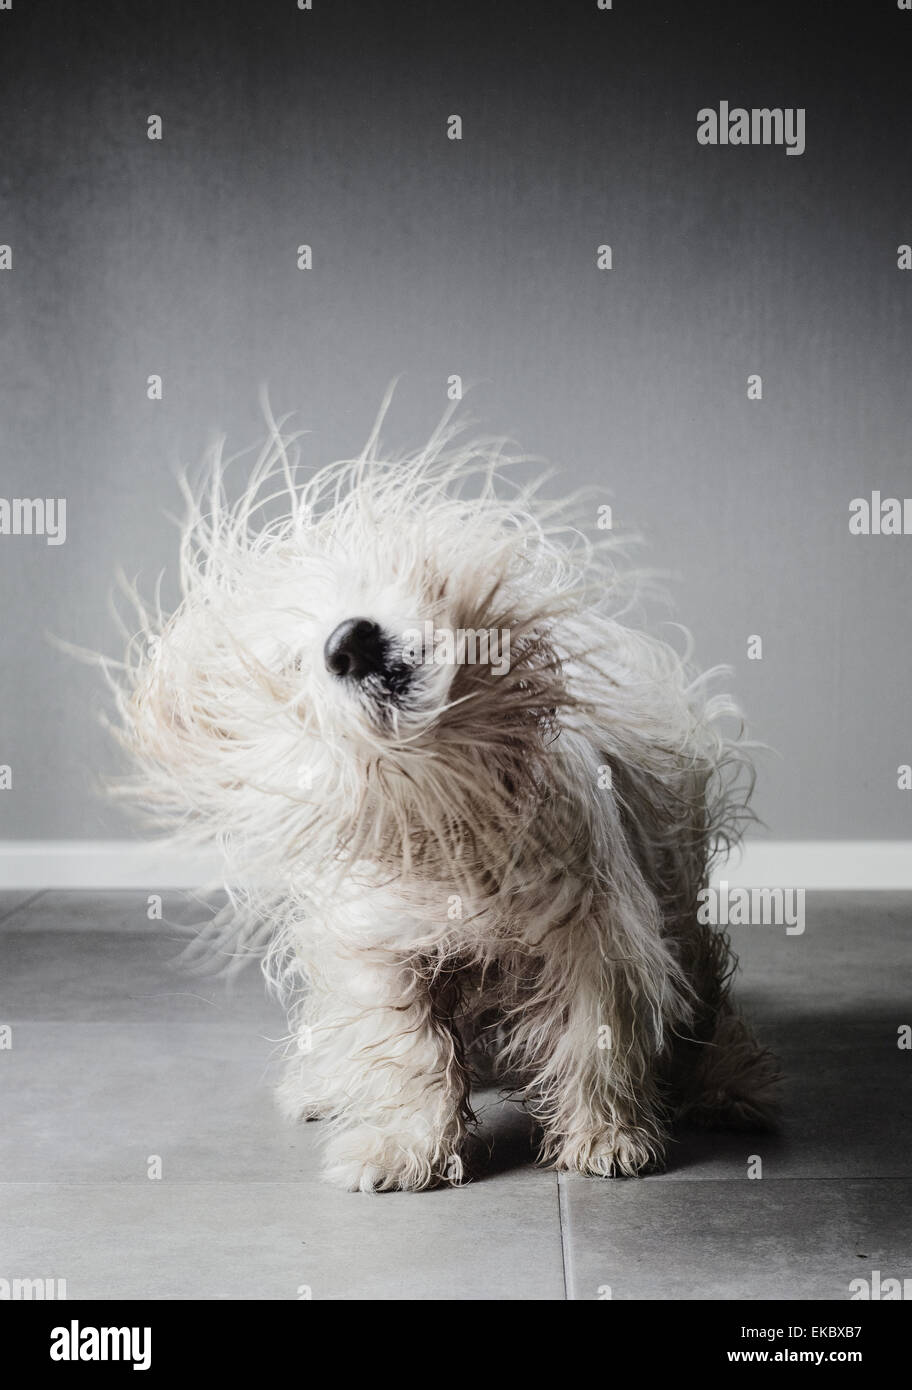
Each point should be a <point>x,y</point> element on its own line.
<point>837,865</point>
<point>813,864</point>
<point>38,864</point>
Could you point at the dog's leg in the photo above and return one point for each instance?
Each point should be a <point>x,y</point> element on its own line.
<point>591,1035</point>
<point>384,1064</point>
<point>602,991</point>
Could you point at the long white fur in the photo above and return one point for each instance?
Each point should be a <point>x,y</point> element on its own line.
<point>448,877</point>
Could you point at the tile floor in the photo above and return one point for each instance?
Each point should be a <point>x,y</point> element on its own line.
<point>119,1053</point>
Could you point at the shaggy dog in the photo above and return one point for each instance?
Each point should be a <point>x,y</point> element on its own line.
<point>466,805</point>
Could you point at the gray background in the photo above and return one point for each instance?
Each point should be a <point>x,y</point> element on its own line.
<point>434,257</point>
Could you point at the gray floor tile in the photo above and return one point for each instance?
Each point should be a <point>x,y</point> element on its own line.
<point>846,1108</point>
<point>758,1239</point>
<point>115,976</point>
<point>88,1103</point>
<point>12,900</point>
<point>829,1003</point>
<point>91,1102</point>
<point>120,1052</point>
<point>854,957</point>
<point>491,1240</point>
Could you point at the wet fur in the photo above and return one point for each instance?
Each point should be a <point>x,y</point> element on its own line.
<point>438,875</point>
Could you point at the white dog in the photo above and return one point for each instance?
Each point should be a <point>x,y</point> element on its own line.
<point>470,808</point>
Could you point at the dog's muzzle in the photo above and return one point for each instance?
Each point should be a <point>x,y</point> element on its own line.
<point>361,654</point>
<point>356,649</point>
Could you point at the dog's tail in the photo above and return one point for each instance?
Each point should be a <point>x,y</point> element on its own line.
<point>724,1077</point>
<point>735,1083</point>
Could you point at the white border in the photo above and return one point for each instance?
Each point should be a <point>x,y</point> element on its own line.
<point>815,864</point>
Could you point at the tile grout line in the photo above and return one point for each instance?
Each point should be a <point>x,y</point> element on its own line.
<point>4,917</point>
<point>563,1223</point>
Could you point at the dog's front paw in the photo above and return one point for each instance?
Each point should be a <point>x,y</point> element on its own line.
<point>373,1160</point>
<point>608,1153</point>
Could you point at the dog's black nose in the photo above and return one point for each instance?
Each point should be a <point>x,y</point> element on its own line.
<point>355,648</point>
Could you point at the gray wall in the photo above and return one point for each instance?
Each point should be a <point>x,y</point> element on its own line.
<point>434,257</point>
